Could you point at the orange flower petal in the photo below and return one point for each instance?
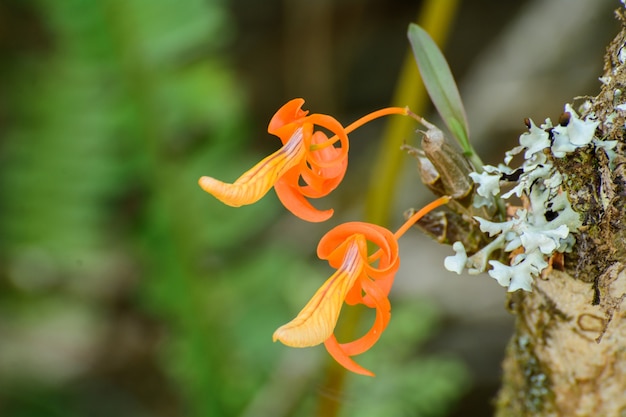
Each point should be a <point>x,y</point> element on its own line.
<point>317,320</point>
<point>290,112</point>
<point>383,315</point>
<point>296,203</point>
<point>342,352</point>
<point>334,348</point>
<point>330,123</point>
<point>387,253</point>
<point>320,170</point>
<point>256,182</point>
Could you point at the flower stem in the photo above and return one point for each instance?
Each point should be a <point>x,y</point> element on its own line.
<point>411,221</point>
<point>419,214</point>
<point>360,122</point>
<point>375,115</point>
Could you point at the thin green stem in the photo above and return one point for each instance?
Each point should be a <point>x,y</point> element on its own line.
<point>477,163</point>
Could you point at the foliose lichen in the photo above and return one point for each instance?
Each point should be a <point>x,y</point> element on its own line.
<point>545,223</point>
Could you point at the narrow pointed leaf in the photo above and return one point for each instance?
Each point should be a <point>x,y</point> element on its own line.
<point>440,84</point>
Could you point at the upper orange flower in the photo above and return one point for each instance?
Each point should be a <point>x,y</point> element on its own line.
<point>309,164</point>
<point>356,281</point>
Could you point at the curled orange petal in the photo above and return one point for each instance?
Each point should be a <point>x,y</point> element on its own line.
<point>342,352</point>
<point>383,315</point>
<point>319,172</point>
<point>385,241</point>
<point>290,113</point>
<point>334,348</point>
<point>323,170</point>
<point>297,203</point>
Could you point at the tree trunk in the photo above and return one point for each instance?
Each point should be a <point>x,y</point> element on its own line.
<point>568,354</point>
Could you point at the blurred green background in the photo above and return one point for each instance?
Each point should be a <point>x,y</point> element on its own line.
<point>127,291</point>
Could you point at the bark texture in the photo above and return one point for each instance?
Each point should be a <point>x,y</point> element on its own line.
<point>568,354</point>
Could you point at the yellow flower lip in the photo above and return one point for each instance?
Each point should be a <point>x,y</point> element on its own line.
<point>316,322</point>
<point>257,181</point>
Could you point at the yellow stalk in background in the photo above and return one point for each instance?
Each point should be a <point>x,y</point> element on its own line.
<point>436,17</point>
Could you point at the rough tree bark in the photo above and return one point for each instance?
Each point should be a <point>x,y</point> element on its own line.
<point>568,354</point>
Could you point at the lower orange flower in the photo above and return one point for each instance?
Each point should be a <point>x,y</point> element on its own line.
<point>360,279</point>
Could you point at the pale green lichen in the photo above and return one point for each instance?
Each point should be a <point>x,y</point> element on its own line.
<point>546,226</point>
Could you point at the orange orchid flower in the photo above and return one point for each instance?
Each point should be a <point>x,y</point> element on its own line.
<point>356,281</point>
<point>308,165</point>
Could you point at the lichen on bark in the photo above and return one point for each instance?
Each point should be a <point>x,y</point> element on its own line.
<point>568,354</point>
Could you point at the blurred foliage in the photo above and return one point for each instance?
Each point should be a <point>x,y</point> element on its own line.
<point>125,290</point>
<point>407,385</point>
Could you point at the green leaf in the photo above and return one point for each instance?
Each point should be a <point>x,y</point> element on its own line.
<point>440,84</point>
